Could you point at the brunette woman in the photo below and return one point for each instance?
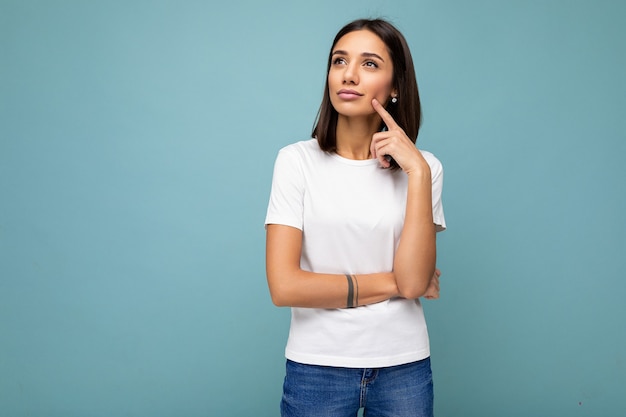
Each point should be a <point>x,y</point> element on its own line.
<point>351,244</point>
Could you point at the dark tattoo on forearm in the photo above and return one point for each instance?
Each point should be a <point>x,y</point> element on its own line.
<point>353,297</point>
<point>356,298</point>
<point>350,302</point>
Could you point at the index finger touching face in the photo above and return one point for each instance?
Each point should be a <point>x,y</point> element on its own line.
<point>384,114</point>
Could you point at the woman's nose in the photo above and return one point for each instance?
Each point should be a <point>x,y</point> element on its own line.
<point>350,75</point>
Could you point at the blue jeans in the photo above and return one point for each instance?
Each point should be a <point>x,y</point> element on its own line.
<point>325,391</point>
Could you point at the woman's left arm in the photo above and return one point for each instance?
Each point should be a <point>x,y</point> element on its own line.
<point>415,258</point>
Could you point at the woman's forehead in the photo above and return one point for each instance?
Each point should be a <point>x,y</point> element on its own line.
<point>360,41</point>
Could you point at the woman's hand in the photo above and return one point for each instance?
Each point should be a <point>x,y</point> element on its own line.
<point>432,292</point>
<point>396,143</point>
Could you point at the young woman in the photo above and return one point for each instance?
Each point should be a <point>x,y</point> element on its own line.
<point>351,243</point>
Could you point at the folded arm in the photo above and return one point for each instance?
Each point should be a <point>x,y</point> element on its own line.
<point>294,287</point>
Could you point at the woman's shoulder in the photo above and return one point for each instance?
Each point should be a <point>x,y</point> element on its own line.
<point>308,145</point>
<point>433,161</point>
<point>303,149</point>
<point>430,157</point>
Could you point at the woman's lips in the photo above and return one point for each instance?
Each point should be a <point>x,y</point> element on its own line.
<point>349,94</point>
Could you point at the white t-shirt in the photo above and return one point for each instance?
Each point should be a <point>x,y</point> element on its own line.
<point>351,214</point>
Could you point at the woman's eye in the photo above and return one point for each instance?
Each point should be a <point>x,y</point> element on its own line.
<point>371,64</point>
<point>338,61</point>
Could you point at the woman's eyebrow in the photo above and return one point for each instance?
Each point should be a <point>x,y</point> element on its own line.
<point>372,55</point>
<point>364,54</point>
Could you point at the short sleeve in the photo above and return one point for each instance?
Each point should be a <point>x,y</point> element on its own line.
<point>436,171</point>
<point>287,194</point>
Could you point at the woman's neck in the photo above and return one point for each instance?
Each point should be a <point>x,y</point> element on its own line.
<point>354,136</point>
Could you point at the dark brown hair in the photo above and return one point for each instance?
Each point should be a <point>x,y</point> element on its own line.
<point>406,112</point>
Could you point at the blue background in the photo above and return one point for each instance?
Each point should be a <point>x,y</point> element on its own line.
<point>137,140</point>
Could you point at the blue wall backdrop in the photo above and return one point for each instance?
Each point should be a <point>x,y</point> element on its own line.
<point>137,141</point>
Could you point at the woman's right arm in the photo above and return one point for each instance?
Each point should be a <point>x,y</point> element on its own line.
<point>290,286</point>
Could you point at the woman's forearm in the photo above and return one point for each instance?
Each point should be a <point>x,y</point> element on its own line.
<point>294,287</point>
<point>415,258</point>
<point>307,289</point>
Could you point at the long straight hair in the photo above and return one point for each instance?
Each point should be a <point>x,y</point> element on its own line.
<point>406,112</point>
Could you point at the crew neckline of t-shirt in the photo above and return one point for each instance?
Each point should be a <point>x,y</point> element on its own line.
<point>355,162</point>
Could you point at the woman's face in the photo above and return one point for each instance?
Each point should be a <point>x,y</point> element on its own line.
<point>360,70</point>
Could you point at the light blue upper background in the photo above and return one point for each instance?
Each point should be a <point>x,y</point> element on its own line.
<point>137,140</point>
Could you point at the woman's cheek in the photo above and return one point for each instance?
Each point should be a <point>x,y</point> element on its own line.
<point>382,92</point>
